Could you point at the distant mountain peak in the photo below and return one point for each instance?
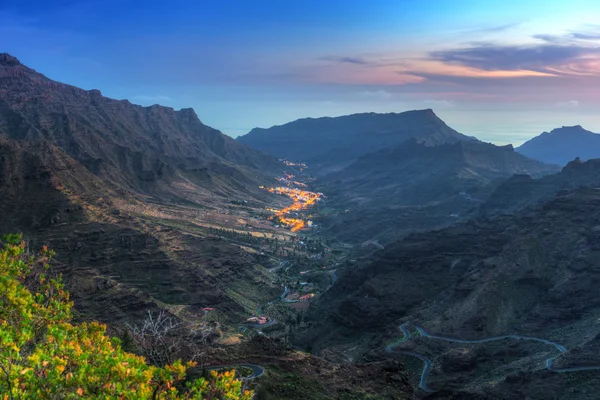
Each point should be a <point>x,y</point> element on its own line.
<point>328,143</point>
<point>562,145</point>
<point>8,60</point>
<point>569,129</point>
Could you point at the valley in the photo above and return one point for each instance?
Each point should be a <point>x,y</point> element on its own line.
<point>298,265</point>
<point>443,236</point>
<point>151,211</point>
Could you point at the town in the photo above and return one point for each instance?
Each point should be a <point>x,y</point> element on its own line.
<point>303,199</point>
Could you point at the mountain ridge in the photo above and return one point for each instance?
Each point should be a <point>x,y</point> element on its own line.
<point>330,143</point>
<point>521,191</point>
<point>531,273</point>
<point>123,194</point>
<point>132,145</point>
<point>415,186</point>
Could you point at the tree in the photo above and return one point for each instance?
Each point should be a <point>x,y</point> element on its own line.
<point>162,339</point>
<point>43,355</point>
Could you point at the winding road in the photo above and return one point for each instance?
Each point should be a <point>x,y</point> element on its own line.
<point>334,279</point>
<point>428,363</point>
<point>281,265</point>
<point>258,370</point>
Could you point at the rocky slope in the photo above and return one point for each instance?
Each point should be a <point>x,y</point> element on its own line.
<point>328,144</point>
<point>534,274</point>
<point>521,191</point>
<point>97,179</point>
<point>142,149</point>
<point>416,187</point>
<point>562,145</point>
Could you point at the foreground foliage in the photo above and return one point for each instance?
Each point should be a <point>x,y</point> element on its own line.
<point>45,356</point>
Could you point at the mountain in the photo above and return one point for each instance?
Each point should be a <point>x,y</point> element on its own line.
<point>534,273</point>
<point>127,197</point>
<point>562,145</point>
<point>328,144</point>
<point>416,186</point>
<point>141,149</point>
<point>150,210</point>
<point>521,191</point>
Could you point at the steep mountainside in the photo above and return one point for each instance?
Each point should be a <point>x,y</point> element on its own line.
<point>534,274</point>
<point>415,186</point>
<point>562,145</point>
<point>330,143</point>
<point>150,210</point>
<point>126,195</point>
<point>142,149</point>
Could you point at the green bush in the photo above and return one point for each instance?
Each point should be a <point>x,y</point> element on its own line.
<point>43,355</point>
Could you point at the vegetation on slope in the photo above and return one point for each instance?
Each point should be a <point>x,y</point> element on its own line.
<point>43,355</point>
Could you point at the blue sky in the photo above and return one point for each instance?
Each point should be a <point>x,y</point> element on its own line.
<point>503,71</point>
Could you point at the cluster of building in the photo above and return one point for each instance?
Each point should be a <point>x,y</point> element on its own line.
<point>302,200</point>
<point>288,180</point>
<point>293,164</point>
<point>258,320</point>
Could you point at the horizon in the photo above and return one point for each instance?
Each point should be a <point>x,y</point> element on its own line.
<point>488,71</point>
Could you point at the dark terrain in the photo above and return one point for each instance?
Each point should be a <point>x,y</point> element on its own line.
<point>416,187</point>
<point>515,256</point>
<point>534,273</point>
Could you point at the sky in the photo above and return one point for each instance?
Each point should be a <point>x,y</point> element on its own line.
<point>501,70</point>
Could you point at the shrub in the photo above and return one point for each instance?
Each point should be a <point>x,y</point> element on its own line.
<point>43,355</point>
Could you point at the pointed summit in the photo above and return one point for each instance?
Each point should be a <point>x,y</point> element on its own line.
<point>8,60</point>
<point>126,144</point>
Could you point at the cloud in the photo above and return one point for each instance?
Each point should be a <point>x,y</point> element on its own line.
<point>568,104</point>
<point>550,38</point>
<point>345,60</point>
<point>498,28</point>
<point>574,37</point>
<point>377,94</point>
<point>586,36</point>
<point>545,58</point>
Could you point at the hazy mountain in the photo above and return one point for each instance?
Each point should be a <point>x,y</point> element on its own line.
<point>522,191</point>
<point>330,143</point>
<point>562,145</point>
<point>416,186</point>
